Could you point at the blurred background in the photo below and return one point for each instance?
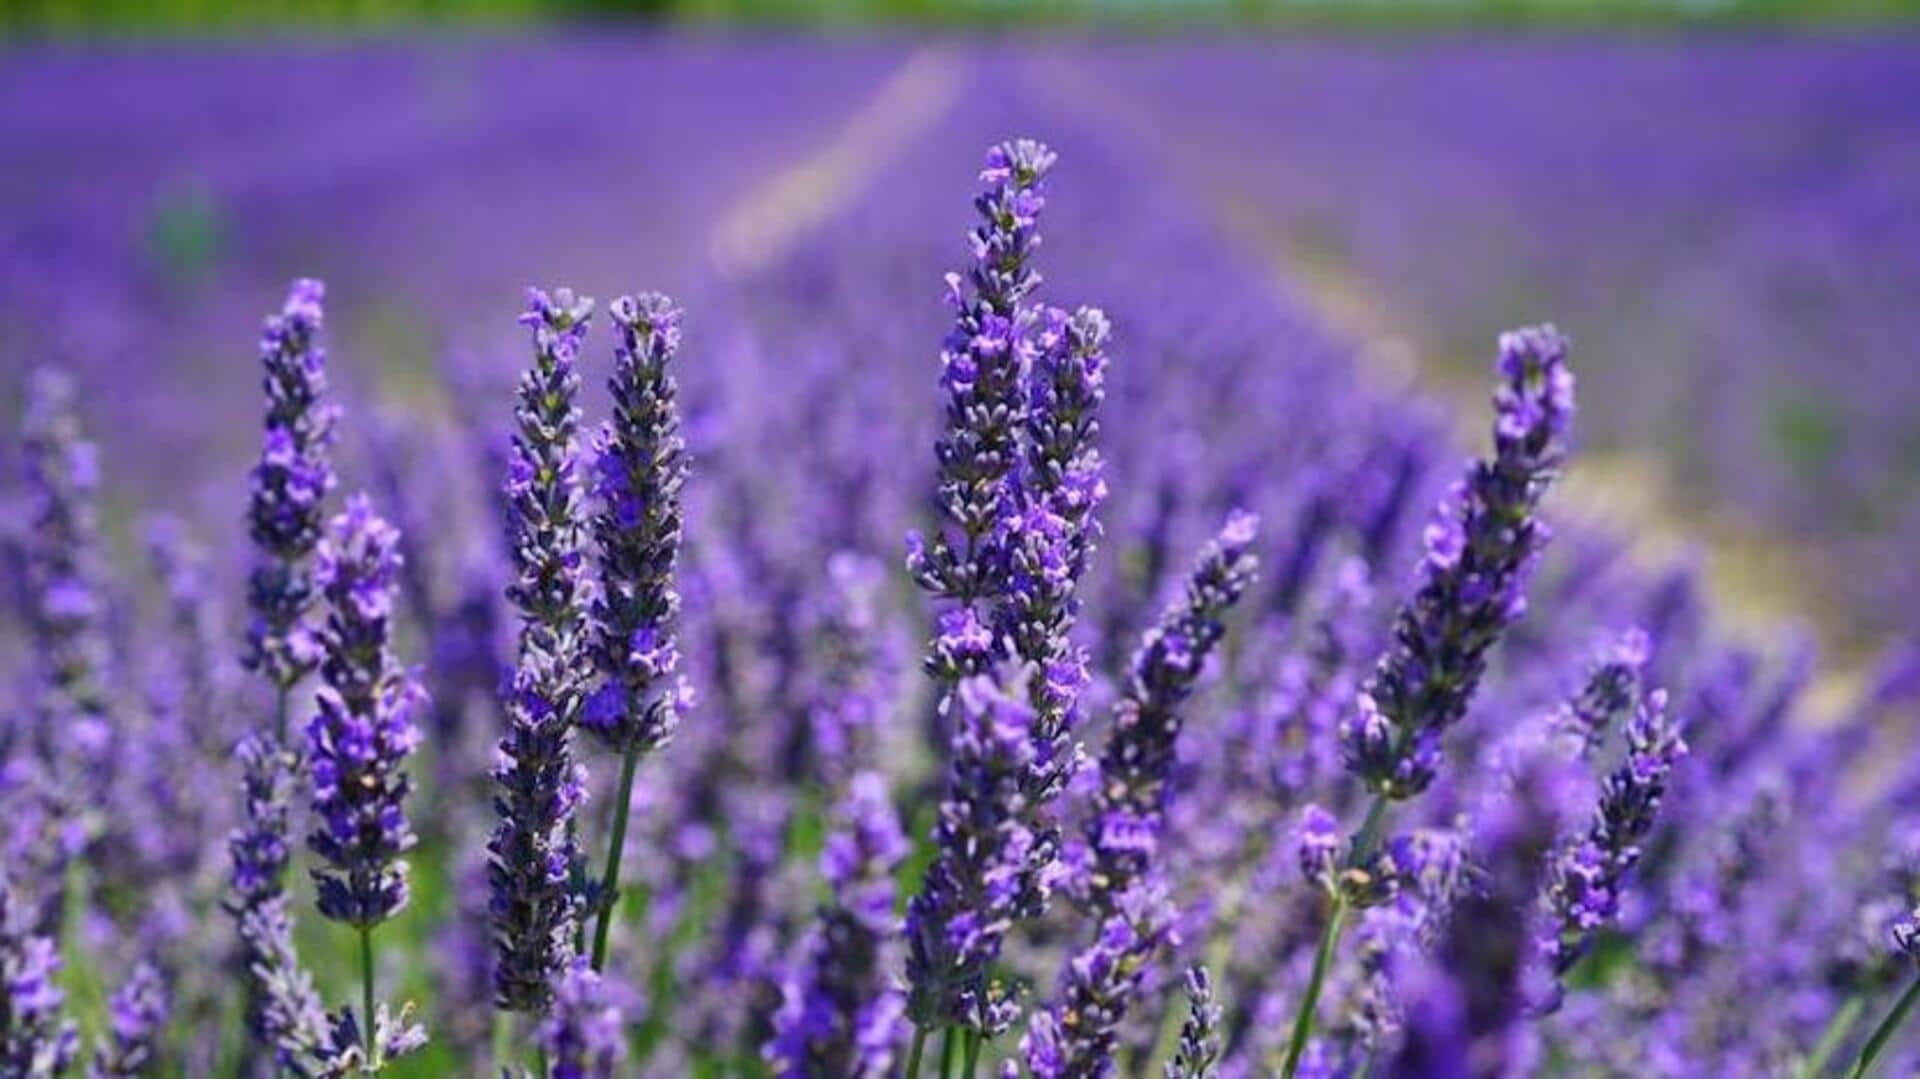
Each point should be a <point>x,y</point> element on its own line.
<point>1718,199</point>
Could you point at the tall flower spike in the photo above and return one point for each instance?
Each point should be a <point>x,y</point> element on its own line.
<point>640,465</point>
<point>533,856</point>
<point>136,1022</point>
<point>976,887</point>
<point>1077,1037</point>
<point>584,1036</point>
<point>35,1041</point>
<point>839,1015</point>
<point>1049,543</point>
<point>286,507</point>
<point>1137,762</point>
<point>982,365</point>
<point>363,731</point>
<point>1198,1054</point>
<point>285,1014</point>
<point>66,609</point>
<point>1480,551</point>
<point>1586,874</point>
<point>1612,687</point>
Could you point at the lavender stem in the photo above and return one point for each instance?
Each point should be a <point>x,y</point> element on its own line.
<point>1322,959</point>
<point>1838,1028</point>
<point>1886,1030</point>
<point>609,884</point>
<point>366,997</point>
<point>914,1053</point>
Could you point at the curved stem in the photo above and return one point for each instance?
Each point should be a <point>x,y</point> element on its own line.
<point>367,1033</point>
<point>502,1042</point>
<point>913,1054</point>
<point>972,1054</point>
<point>610,882</point>
<point>1884,1033</point>
<point>1837,1030</point>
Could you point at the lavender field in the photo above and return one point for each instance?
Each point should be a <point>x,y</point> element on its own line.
<point>1067,559</point>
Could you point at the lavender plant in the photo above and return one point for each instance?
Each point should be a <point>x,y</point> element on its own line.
<point>640,465</point>
<point>534,860</point>
<point>1480,551</point>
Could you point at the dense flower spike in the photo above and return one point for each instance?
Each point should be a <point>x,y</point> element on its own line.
<point>983,362</point>
<point>1137,763</point>
<point>584,1036</point>
<point>65,606</point>
<point>286,508</point>
<point>533,856</point>
<point>1480,551</point>
<point>285,1014</point>
<point>136,1022</point>
<point>1586,874</point>
<point>1076,1038</point>
<point>1198,1054</point>
<point>977,886</point>
<point>640,465</point>
<point>363,730</point>
<point>838,1014</point>
<point>36,1041</point>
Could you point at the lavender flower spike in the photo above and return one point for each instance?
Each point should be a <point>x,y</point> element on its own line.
<point>1198,1054</point>
<point>65,607</point>
<point>838,1014</point>
<point>1137,762</point>
<point>137,1019</point>
<point>289,489</point>
<point>532,853</point>
<point>1586,874</point>
<point>976,887</point>
<point>1075,1039</point>
<point>982,365</point>
<point>584,1037</point>
<point>364,729</point>
<point>285,1014</point>
<point>1611,689</point>
<point>35,1042</point>
<point>640,463</point>
<point>1480,553</point>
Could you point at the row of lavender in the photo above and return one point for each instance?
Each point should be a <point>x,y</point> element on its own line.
<point>1139,854</point>
<point>1726,225</point>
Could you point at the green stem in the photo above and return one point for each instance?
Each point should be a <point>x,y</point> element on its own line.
<point>1361,850</point>
<point>1837,1030</point>
<point>502,1042</point>
<point>366,998</point>
<point>1322,960</point>
<point>949,1055</point>
<point>913,1054</point>
<point>972,1056</point>
<point>610,883</point>
<point>1885,1031</point>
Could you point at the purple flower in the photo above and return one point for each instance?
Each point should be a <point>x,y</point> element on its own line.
<point>35,1041</point>
<point>1587,873</point>
<point>839,1015</point>
<point>1480,552</point>
<point>978,884</point>
<point>1197,1055</point>
<point>584,1036</point>
<point>640,465</point>
<point>1137,762</point>
<point>363,730</point>
<point>532,855</point>
<point>1077,1036</point>
<point>289,488</point>
<point>136,1022</point>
